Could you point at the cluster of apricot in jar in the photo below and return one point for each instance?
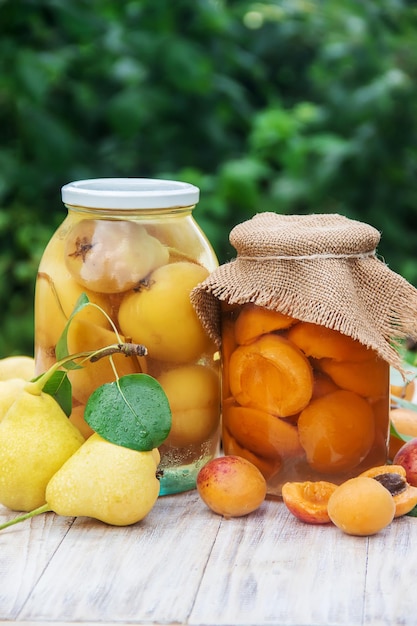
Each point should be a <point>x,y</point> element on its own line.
<point>301,401</point>
<point>140,274</point>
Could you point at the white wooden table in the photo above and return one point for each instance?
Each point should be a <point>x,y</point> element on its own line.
<point>185,565</point>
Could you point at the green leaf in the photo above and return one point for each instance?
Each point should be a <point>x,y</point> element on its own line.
<point>59,387</point>
<point>133,412</point>
<point>61,349</point>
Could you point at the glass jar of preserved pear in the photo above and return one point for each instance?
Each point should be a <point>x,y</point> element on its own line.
<point>133,247</point>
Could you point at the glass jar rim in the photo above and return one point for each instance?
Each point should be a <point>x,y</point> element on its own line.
<point>129,193</point>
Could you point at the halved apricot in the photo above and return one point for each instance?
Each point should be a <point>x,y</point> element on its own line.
<point>404,494</point>
<point>321,342</point>
<point>308,500</point>
<point>271,374</point>
<point>368,378</point>
<point>268,467</point>
<point>262,433</point>
<point>254,321</point>
<point>336,431</point>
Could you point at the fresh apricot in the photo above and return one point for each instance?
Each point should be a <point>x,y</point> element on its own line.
<point>159,314</point>
<point>336,431</point>
<point>262,433</point>
<point>193,392</point>
<point>361,506</point>
<point>231,486</point>
<point>272,375</point>
<point>308,500</point>
<point>254,321</point>
<point>368,378</point>
<point>407,457</point>
<point>321,342</point>
<point>394,478</point>
<point>267,466</point>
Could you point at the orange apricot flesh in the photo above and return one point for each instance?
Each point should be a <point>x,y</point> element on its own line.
<point>308,500</point>
<point>368,378</point>
<point>254,321</point>
<point>267,466</point>
<point>406,498</point>
<point>271,375</point>
<point>336,431</point>
<point>262,433</point>
<point>321,342</point>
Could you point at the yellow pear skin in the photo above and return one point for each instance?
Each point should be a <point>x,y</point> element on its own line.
<point>107,482</point>
<point>21,366</point>
<point>36,438</point>
<point>9,390</point>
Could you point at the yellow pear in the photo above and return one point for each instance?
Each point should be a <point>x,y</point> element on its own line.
<point>107,482</point>
<point>9,390</point>
<point>17,367</point>
<point>36,438</point>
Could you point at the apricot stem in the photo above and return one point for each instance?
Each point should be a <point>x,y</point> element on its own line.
<point>45,508</point>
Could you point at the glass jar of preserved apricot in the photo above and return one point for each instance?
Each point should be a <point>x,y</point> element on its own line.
<point>307,318</point>
<point>301,401</point>
<point>133,247</point>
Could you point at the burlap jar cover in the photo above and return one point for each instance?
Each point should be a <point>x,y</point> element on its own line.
<point>316,268</point>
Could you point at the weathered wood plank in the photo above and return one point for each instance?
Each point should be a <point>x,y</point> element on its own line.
<point>184,565</point>
<point>25,551</point>
<point>149,572</point>
<point>391,575</point>
<point>272,569</point>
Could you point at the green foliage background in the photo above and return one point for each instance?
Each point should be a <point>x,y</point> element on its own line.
<point>294,106</point>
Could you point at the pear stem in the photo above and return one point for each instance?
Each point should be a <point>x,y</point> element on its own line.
<point>128,349</point>
<point>45,508</point>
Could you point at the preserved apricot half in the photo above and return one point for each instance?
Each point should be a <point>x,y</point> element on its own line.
<point>394,478</point>
<point>261,432</point>
<point>271,375</point>
<point>336,431</point>
<point>368,378</point>
<point>320,342</point>
<point>308,500</point>
<point>268,467</point>
<point>254,321</point>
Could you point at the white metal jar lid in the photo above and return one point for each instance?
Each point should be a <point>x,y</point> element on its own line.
<point>129,193</point>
